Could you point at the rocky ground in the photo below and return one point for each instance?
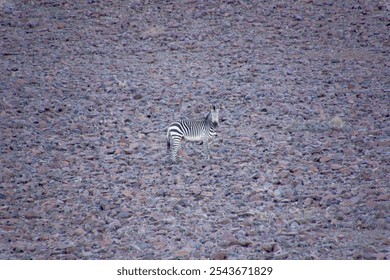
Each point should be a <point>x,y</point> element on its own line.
<point>299,169</point>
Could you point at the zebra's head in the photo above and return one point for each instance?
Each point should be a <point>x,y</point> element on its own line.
<point>214,110</point>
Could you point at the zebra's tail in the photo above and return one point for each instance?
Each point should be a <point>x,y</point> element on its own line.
<point>168,140</point>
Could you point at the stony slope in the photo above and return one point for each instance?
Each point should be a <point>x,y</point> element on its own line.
<point>300,166</point>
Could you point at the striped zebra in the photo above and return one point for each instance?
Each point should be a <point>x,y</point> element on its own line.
<point>193,131</point>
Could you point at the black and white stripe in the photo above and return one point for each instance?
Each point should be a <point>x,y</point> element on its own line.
<point>193,131</point>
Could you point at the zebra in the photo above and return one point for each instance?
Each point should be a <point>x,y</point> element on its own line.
<point>193,131</point>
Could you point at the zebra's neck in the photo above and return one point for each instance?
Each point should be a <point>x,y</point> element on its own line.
<point>208,122</point>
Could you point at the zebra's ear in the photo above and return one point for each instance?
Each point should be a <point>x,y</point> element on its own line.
<point>214,106</point>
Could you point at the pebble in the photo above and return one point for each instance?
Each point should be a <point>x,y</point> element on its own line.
<point>219,255</point>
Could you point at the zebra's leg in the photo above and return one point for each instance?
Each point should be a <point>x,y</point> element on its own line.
<point>206,149</point>
<point>175,149</point>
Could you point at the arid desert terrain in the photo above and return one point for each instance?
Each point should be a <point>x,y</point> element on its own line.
<point>300,166</point>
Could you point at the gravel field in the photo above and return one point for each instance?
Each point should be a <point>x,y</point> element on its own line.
<point>300,166</point>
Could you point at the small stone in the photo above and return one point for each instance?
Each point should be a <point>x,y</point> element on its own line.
<point>357,255</point>
<point>225,221</point>
<point>281,255</point>
<point>294,226</point>
<point>196,190</point>
<point>19,247</point>
<point>207,193</point>
<point>383,197</point>
<point>371,204</point>
<point>383,224</point>
<point>245,243</point>
<point>106,242</point>
<point>278,193</point>
<point>336,166</point>
<point>127,193</point>
<point>384,143</point>
<point>114,225</point>
<point>346,171</point>
<point>308,201</point>
<point>80,231</point>
<point>381,256</point>
<point>228,239</point>
<point>182,253</point>
<point>336,123</point>
<point>324,159</point>
<point>276,247</point>
<point>313,168</point>
<point>284,174</point>
<point>124,214</point>
<point>268,247</point>
<point>31,215</point>
<point>256,197</point>
<point>219,255</point>
<point>133,146</point>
